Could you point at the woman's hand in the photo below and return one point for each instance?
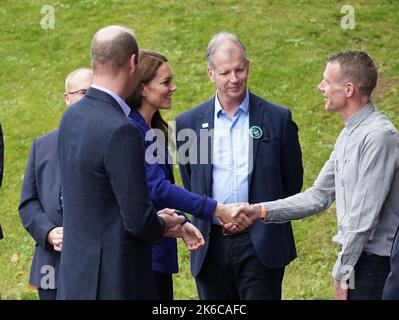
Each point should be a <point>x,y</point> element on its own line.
<point>192,237</point>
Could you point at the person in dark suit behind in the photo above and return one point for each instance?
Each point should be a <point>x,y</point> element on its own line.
<point>253,141</point>
<point>1,167</point>
<point>40,207</point>
<point>109,221</point>
<point>391,288</point>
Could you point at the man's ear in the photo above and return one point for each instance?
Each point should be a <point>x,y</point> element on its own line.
<point>66,97</point>
<point>132,63</point>
<point>349,89</point>
<point>210,74</point>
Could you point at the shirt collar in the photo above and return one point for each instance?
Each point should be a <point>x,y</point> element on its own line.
<point>356,119</point>
<point>121,102</point>
<point>244,105</point>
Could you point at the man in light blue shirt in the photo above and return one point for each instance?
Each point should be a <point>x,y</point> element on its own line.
<point>230,153</point>
<point>252,141</point>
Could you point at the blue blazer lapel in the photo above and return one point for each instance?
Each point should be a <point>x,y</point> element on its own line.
<point>206,121</point>
<point>256,118</point>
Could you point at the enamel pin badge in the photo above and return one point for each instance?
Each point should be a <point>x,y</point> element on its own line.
<point>255,132</point>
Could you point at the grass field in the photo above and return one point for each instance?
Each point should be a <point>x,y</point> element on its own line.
<point>287,42</point>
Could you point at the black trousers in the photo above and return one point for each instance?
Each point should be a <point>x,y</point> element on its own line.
<point>48,294</point>
<point>370,272</point>
<point>233,271</point>
<point>163,285</point>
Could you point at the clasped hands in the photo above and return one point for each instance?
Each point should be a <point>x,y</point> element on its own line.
<point>191,236</point>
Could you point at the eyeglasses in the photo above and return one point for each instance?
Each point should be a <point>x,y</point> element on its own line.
<point>80,91</point>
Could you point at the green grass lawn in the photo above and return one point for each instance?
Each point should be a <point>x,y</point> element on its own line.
<point>287,42</point>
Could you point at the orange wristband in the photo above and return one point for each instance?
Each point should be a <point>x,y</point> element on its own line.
<point>263,213</point>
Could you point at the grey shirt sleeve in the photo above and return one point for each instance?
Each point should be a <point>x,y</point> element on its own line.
<point>314,200</point>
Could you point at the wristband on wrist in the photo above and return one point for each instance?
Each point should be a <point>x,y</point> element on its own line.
<point>263,213</point>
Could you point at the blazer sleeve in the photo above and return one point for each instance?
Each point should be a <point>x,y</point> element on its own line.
<point>292,168</point>
<point>124,161</point>
<point>33,216</point>
<point>165,194</point>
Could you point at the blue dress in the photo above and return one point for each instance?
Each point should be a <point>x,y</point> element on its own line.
<point>165,194</point>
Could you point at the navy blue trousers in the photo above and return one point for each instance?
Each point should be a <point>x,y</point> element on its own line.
<point>164,285</point>
<point>48,294</point>
<point>233,271</point>
<point>371,272</point>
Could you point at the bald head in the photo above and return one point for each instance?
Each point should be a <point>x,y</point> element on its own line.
<point>76,85</point>
<point>111,49</point>
<point>79,78</point>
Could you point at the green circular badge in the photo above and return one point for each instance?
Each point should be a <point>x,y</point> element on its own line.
<point>255,132</point>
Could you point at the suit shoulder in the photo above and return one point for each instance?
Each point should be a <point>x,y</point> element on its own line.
<point>50,136</point>
<point>124,131</point>
<point>194,112</point>
<point>272,107</point>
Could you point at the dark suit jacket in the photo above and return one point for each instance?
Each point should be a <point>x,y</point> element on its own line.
<point>1,166</point>
<point>109,221</point>
<point>391,289</point>
<point>277,173</point>
<point>39,206</point>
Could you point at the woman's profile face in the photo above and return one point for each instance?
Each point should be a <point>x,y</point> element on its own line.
<point>158,92</point>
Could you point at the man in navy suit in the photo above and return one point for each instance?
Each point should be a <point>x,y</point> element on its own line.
<point>254,142</point>
<point>1,166</point>
<point>391,289</point>
<point>109,221</point>
<point>40,207</point>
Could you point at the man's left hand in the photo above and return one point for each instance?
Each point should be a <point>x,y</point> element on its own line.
<point>340,290</point>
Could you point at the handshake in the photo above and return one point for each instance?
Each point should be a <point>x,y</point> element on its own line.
<point>237,217</point>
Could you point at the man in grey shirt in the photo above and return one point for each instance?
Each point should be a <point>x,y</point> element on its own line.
<point>362,175</point>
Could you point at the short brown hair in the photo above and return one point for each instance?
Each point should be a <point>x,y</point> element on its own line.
<point>110,53</point>
<point>357,67</point>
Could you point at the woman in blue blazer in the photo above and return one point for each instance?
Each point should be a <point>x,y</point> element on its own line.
<point>154,93</point>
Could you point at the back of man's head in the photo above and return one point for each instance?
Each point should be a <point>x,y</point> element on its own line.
<point>356,67</point>
<point>111,48</point>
